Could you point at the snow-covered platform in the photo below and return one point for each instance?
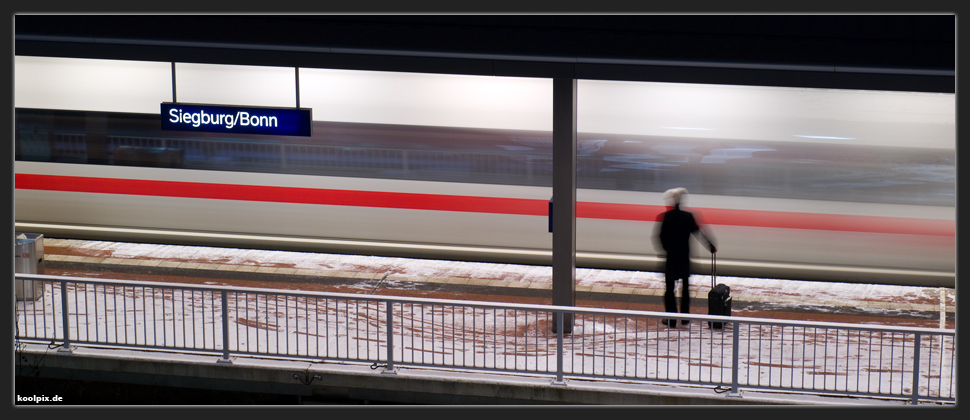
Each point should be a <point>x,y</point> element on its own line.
<point>372,277</point>
<point>634,290</point>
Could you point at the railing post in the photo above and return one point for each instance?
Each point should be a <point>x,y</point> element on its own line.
<point>916,345</point>
<point>390,337</point>
<point>66,348</point>
<point>735,351</point>
<point>225,329</point>
<point>559,351</point>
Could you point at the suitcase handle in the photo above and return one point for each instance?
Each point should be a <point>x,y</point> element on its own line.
<point>713,270</point>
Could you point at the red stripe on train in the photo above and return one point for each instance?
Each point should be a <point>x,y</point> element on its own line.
<point>519,206</point>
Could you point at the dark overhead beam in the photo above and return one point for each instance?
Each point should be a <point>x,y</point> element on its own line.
<point>762,74</point>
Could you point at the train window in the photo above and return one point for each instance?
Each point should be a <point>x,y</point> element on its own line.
<point>745,168</point>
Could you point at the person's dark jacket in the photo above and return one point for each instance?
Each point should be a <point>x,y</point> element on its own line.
<point>676,227</point>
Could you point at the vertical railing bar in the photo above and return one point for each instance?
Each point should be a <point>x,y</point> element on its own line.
<point>245,299</point>
<point>858,359</point>
<point>43,317</point>
<point>690,349</point>
<point>195,336</point>
<point>306,315</point>
<point>212,301</point>
<point>326,327</point>
<point>929,366</point>
<point>836,380</point>
<point>791,371</point>
<point>225,325</point>
<point>53,333</point>
<point>626,340</point>
<point>771,351</point>
<point>77,313</point>
<point>474,327</point>
<point>316,333</point>
<point>736,344</point>
<point>881,351</point>
<point>581,366</point>
<point>717,336</point>
<point>667,355</point>
<point>185,339</point>
<point>114,311</point>
<point>636,347</point>
<point>594,347</point>
<point>124,310</point>
<point>916,349</point>
<point>869,365</point>
<point>43,305</point>
<point>258,317</point>
<point>252,334</point>
<point>801,383</point>
<point>614,346</point>
<point>202,299</point>
<point>761,346</point>
<point>64,314</point>
<point>494,339</point>
<point>892,357</point>
<point>559,345</point>
<point>256,310</point>
<point>747,354</point>
<point>357,328</point>
<point>952,364</point>
<point>721,372</point>
<point>285,348</point>
<point>154,318</point>
<point>276,314</point>
<point>535,341</point>
<point>432,333</point>
<point>144,306</point>
<point>825,360</point>
<point>421,331</point>
<point>505,338</point>
<point>377,317</point>
<point>656,360</point>
<point>390,334</point>
<point>347,323</point>
<point>412,316</point>
<point>164,326</point>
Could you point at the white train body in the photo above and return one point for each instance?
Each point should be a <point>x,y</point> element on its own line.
<point>877,207</point>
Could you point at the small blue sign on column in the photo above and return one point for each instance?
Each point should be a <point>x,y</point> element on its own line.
<point>236,119</point>
<point>550,215</point>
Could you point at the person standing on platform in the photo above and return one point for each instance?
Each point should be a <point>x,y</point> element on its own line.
<point>675,229</point>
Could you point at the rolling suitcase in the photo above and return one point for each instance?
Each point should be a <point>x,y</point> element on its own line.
<point>719,298</point>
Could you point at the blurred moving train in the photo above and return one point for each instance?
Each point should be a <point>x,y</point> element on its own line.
<point>806,207</point>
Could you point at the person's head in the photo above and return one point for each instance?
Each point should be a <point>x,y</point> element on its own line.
<point>675,196</point>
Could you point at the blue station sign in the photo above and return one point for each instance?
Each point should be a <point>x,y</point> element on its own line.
<point>236,119</point>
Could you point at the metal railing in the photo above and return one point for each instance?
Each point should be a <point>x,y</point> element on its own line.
<point>917,364</point>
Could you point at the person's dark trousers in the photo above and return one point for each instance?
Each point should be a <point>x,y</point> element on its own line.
<point>670,300</point>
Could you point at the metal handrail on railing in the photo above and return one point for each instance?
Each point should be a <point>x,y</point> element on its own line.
<point>816,357</point>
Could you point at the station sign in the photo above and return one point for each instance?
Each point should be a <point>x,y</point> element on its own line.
<point>236,119</point>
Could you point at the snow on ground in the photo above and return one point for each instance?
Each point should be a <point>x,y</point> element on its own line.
<point>740,286</point>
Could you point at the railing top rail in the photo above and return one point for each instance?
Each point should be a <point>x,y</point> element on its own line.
<point>483,304</point>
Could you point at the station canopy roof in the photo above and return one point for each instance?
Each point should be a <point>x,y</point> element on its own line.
<point>878,52</point>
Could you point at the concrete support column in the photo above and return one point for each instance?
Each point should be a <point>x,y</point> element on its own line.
<point>564,195</point>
